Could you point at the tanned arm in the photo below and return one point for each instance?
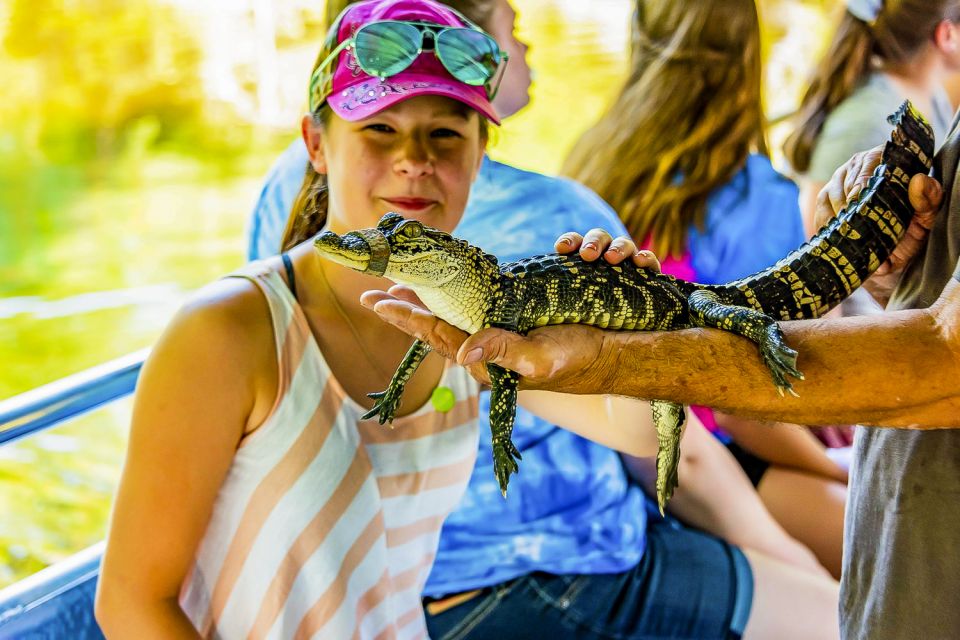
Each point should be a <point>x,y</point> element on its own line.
<point>900,369</point>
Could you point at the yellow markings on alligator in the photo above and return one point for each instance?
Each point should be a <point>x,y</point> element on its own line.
<point>751,296</point>
<point>883,223</point>
<point>841,266</point>
<point>901,176</point>
<point>847,231</point>
<point>803,297</point>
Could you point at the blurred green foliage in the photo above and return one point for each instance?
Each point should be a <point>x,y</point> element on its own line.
<point>111,73</point>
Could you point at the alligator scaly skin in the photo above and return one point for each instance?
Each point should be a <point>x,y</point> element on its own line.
<point>468,288</point>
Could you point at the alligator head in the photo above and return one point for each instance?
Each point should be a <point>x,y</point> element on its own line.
<point>452,277</point>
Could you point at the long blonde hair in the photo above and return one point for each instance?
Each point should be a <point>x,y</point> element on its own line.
<point>897,35</point>
<point>308,214</point>
<point>685,121</point>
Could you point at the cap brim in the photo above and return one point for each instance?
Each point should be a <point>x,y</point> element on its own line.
<point>367,98</point>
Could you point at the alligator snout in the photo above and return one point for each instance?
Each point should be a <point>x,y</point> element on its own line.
<point>350,250</point>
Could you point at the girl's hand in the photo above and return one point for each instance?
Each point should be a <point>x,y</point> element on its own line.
<point>598,242</point>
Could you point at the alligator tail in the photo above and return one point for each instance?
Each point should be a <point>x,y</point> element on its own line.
<point>828,268</point>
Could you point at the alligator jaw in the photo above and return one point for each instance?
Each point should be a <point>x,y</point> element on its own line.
<point>349,250</point>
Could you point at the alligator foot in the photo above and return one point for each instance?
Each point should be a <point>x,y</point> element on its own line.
<point>505,457</point>
<point>503,410</point>
<point>668,417</point>
<point>389,401</point>
<point>780,359</point>
<point>386,406</point>
<point>706,310</point>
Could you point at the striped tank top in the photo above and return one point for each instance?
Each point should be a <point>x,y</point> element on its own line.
<point>326,526</point>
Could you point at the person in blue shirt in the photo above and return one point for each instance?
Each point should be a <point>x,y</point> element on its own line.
<point>573,550</point>
<point>700,191</point>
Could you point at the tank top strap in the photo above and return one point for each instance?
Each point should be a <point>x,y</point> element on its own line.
<point>291,331</point>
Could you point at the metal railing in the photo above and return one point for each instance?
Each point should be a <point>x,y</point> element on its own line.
<point>47,406</point>
<point>58,601</point>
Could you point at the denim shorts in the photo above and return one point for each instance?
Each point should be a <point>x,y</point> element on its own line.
<point>688,585</point>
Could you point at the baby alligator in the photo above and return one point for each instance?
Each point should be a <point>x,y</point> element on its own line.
<point>468,288</point>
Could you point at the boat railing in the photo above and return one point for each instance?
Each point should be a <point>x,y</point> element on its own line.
<point>57,602</point>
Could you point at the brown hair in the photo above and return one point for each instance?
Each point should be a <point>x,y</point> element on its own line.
<point>898,34</point>
<point>308,214</point>
<point>685,121</point>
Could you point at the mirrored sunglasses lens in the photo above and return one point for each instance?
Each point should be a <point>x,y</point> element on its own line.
<point>386,48</point>
<point>470,56</point>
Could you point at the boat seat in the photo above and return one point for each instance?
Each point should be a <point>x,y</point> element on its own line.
<point>56,602</point>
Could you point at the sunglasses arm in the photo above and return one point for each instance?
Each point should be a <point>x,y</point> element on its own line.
<point>315,77</point>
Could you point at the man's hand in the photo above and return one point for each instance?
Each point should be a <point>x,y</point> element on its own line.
<point>925,197</point>
<point>554,358</point>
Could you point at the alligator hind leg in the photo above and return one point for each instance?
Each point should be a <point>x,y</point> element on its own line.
<point>388,401</point>
<point>706,310</point>
<point>668,417</point>
<point>503,410</point>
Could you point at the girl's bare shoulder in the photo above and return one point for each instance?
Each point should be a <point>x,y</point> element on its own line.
<point>224,326</point>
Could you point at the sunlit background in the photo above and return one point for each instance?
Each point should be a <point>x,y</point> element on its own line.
<point>134,135</point>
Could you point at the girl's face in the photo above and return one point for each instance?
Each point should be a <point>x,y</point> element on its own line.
<point>418,158</point>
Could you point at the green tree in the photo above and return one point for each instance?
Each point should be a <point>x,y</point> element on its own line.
<point>97,69</point>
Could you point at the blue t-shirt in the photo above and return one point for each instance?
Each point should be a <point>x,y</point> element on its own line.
<point>572,508</point>
<point>751,223</point>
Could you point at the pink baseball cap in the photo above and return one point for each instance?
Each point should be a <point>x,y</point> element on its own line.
<point>354,95</point>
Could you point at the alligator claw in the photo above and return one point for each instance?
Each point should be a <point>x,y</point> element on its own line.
<point>505,456</point>
<point>385,408</point>
<point>780,359</point>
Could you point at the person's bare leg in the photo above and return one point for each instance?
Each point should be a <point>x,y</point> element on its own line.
<point>789,604</point>
<point>810,508</point>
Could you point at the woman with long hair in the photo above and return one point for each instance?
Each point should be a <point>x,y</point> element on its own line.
<point>882,53</point>
<point>681,156</point>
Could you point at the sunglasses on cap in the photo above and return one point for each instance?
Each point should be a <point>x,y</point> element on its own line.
<point>386,48</point>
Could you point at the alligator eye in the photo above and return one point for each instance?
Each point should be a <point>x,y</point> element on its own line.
<point>412,229</point>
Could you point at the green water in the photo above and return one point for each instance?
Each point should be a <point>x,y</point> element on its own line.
<point>96,254</point>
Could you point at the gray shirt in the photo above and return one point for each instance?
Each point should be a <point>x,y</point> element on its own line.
<point>860,122</point>
<point>901,573</point>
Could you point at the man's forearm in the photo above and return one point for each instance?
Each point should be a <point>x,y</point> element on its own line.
<point>892,369</point>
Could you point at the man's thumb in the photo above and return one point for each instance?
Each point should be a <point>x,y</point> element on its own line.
<point>493,346</point>
<point>925,194</point>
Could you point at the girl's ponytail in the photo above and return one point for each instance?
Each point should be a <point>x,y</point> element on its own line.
<point>842,69</point>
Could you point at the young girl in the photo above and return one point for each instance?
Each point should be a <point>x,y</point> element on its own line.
<point>881,54</point>
<point>254,501</point>
<point>700,190</point>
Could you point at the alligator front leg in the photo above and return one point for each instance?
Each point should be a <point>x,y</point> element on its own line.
<point>503,410</point>
<point>389,400</point>
<point>668,418</point>
<point>706,310</point>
